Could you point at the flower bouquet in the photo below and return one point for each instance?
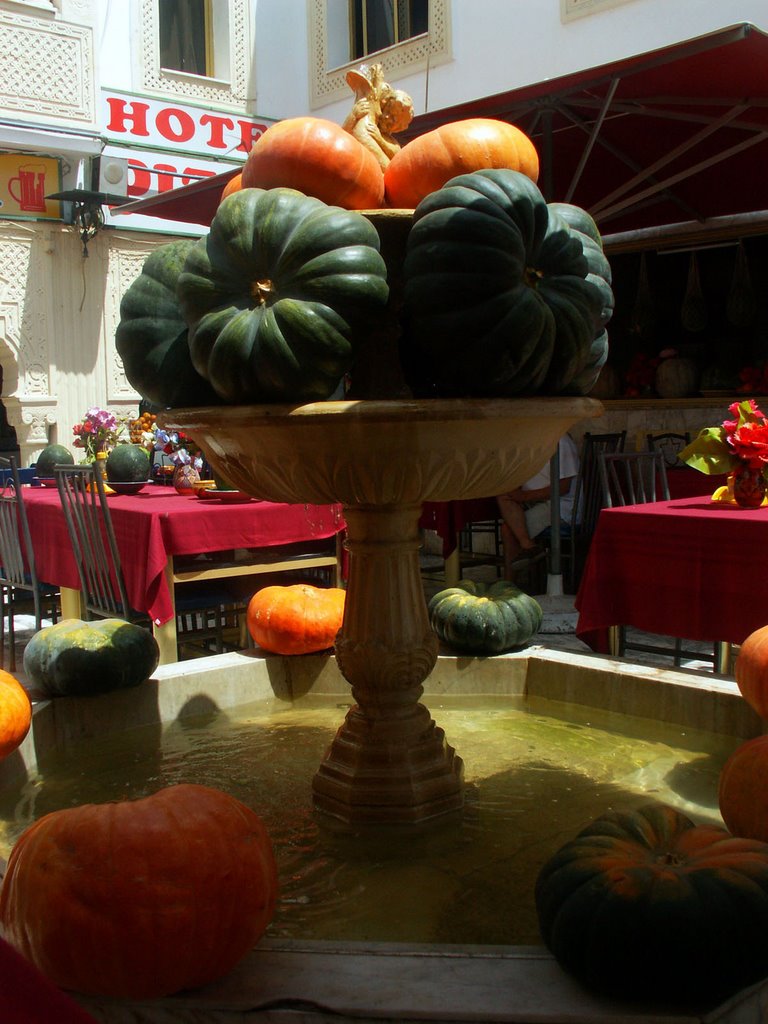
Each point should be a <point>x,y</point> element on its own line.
<point>98,431</point>
<point>738,447</point>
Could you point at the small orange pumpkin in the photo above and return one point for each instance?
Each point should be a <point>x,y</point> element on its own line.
<point>427,162</point>
<point>233,185</point>
<point>751,671</point>
<point>743,792</point>
<point>141,898</point>
<point>318,158</point>
<point>298,619</point>
<point>15,713</point>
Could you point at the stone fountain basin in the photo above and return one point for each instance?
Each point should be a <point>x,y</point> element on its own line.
<point>314,982</point>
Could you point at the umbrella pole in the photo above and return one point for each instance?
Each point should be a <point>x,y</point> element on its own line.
<point>559,613</point>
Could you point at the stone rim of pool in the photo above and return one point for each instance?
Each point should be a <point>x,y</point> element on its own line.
<point>369,981</point>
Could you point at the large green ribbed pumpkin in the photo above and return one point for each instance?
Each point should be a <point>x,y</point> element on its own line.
<point>279,295</point>
<point>646,905</point>
<point>478,619</point>
<point>151,338</point>
<point>500,296</point>
<point>77,658</point>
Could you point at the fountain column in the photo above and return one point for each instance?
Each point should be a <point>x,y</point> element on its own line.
<point>389,762</point>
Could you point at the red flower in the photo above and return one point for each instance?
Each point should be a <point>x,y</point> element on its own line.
<point>750,443</point>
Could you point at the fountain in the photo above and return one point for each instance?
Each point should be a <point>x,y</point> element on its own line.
<point>389,763</point>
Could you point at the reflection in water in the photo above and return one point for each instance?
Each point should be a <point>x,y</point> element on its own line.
<point>534,778</point>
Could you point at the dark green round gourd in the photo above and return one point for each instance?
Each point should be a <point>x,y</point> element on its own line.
<point>52,455</point>
<point>151,337</point>
<point>502,295</point>
<point>645,905</point>
<point>477,619</point>
<point>279,296</point>
<point>77,658</point>
<point>128,463</point>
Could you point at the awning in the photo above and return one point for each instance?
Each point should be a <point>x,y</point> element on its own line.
<point>676,135</point>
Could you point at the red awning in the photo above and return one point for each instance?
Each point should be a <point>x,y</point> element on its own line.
<point>677,134</point>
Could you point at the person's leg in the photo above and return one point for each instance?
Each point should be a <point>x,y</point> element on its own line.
<point>513,514</point>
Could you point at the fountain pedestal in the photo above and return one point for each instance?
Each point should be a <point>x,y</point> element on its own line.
<point>389,763</point>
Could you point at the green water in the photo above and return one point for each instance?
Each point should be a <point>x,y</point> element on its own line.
<point>535,773</point>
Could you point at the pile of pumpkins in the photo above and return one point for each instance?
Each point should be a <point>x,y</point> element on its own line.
<point>504,293</point>
<point>646,905</point>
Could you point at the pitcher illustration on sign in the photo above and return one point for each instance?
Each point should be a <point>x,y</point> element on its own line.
<point>29,183</point>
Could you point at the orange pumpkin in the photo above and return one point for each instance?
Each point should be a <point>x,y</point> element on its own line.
<point>751,671</point>
<point>15,713</point>
<point>233,185</point>
<point>298,619</point>
<point>426,163</point>
<point>140,899</point>
<point>743,792</point>
<point>318,158</point>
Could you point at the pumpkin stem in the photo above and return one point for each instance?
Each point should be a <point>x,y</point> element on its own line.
<point>532,276</point>
<point>262,292</point>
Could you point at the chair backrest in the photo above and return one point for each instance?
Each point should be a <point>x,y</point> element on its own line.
<point>670,444</point>
<point>633,478</point>
<point>17,556</point>
<point>588,494</point>
<point>94,545</point>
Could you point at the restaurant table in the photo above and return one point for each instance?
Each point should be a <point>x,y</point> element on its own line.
<point>157,526</point>
<point>448,519</point>
<point>688,568</point>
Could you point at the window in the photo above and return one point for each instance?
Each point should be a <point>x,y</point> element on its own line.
<point>377,24</point>
<point>185,31</point>
<point>407,36</point>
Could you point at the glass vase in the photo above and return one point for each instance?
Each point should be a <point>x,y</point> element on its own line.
<point>184,478</point>
<point>748,485</point>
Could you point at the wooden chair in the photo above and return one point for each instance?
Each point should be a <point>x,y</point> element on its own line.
<point>588,498</point>
<point>670,444</point>
<point>633,478</point>
<point>199,607</point>
<point>18,576</point>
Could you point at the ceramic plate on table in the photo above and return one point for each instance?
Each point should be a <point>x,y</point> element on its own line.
<point>225,497</point>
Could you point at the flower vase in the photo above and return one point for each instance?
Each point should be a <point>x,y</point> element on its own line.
<point>184,478</point>
<point>749,485</point>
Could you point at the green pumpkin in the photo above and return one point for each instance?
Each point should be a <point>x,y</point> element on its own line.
<point>128,463</point>
<point>476,619</point>
<point>645,905</point>
<point>280,295</point>
<point>502,295</point>
<point>151,338</point>
<point>77,658</point>
<point>52,455</point>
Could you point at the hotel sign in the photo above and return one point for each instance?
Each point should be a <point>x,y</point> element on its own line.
<point>169,144</point>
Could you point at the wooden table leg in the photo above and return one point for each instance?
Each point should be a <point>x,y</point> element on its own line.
<point>71,608</point>
<point>165,633</point>
<point>614,641</point>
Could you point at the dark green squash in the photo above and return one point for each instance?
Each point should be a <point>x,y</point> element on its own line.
<point>77,658</point>
<point>477,619</point>
<point>645,905</point>
<point>279,296</point>
<point>151,337</point>
<point>502,295</point>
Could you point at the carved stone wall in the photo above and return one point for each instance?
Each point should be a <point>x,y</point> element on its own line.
<point>48,71</point>
<point>58,315</point>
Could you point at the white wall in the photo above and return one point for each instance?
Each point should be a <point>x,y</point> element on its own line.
<point>503,44</point>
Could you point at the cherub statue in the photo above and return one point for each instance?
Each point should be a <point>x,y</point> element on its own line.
<point>378,112</point>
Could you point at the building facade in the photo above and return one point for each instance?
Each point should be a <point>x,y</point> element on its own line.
<point>132,98</point>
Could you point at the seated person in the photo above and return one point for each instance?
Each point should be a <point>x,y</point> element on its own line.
<point>527,510</point>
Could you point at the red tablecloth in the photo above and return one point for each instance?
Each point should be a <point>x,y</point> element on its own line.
<point>158,522</point>
<point>685,568</point>
<point>448,518</point>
